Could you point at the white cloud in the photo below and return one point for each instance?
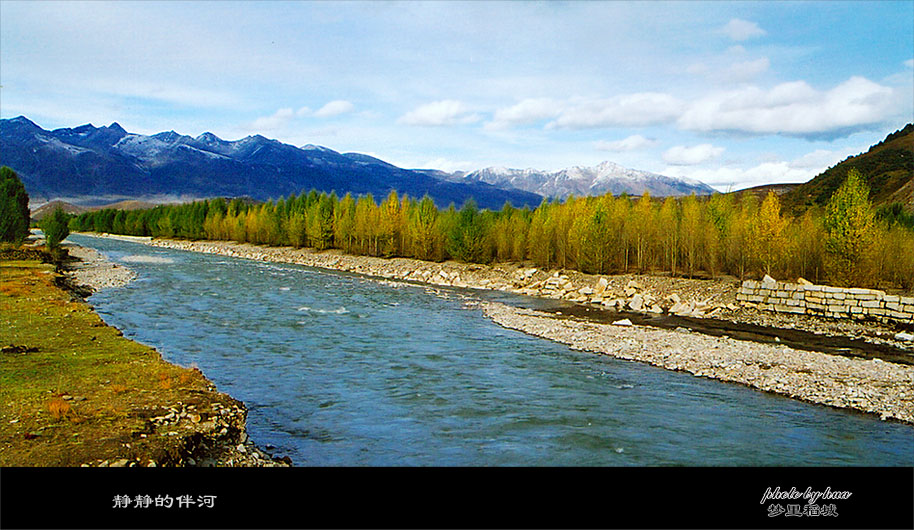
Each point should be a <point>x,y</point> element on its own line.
<point>820,159</point>
<point>792,109</point>
<point>281,118</point>
<point>646,108</point>
<point>775,171</point>
<point>747,70</point>
<point>740,30</point>
<point>697,69</point>
<point>681,155</point>
<point>632,143</point>
<point>334,108</point>
<point>526,112</point>
<point>447,165</point>
<point>730,178</point>
<point>276,121</point>
<point>438,113</point>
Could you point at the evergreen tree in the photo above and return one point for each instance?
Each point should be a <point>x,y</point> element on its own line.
<point>468,238</point>
<point>14,207</point>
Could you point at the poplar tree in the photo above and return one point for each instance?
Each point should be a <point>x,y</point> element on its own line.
<point>423,227</point>
<point>769,239</point>
<point>690,232</point>
<point>644,229</point>
<point>668,230</point>
<point>849,231</point>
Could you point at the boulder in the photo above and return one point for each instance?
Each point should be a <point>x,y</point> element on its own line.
<point>623,322</point>
<point>636,303</point>
<point>602,283</point>
<point>804,281</point>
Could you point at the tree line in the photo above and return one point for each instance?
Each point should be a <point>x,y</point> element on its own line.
<point>848,242</point>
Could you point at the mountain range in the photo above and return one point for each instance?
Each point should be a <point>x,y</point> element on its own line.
<point>606,177</point>
<point>90,165</point>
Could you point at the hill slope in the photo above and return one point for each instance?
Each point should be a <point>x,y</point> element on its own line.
<point>90,165</point>
<point>888,168</point>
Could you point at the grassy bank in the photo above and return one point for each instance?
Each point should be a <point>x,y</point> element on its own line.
<point>73,391</point>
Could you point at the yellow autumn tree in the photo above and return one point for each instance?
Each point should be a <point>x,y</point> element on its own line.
<point>850,228</point>
<point>768,234</point>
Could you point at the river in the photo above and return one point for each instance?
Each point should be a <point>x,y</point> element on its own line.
<point>341,370</point>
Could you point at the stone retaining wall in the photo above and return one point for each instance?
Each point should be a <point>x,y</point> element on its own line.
<point>824,300</point>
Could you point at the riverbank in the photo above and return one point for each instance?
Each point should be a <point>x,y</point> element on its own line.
<point>74,392</point>
<point>871,386</point>
<point>695,298</point>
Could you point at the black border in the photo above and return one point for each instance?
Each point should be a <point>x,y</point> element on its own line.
<point>451,497</point>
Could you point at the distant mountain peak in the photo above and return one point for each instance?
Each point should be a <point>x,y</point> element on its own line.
<point>208,137</point>
<point>313,147</point>
<point>605,177</point>
<point>115,126</point>
<point>22,120</point>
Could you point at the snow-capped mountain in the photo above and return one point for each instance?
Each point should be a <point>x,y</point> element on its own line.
<point>89,165</point>
<point>606,177</point>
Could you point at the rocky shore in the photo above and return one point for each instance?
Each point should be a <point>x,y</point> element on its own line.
<point>873,386</point>
<point>91,270</point>
<point>209,433</point>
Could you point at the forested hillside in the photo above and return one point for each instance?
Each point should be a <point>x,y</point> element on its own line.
<point>887,167</point>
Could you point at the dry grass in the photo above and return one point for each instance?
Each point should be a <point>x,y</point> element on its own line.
<point>53,348</point>
<point>58,408</point>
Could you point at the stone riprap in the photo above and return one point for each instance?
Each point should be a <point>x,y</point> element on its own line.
<point>824,300</point>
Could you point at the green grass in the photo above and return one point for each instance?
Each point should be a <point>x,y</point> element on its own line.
<point>55,351</point>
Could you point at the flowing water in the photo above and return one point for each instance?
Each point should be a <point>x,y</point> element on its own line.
<point>338,369</point>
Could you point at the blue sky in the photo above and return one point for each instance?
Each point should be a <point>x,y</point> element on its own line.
<point>734,94</point>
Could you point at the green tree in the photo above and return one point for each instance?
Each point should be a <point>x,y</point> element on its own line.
<point>849,232</point>
<point>56,228</point>
<point>14,207</point>
<point>468,237</point>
